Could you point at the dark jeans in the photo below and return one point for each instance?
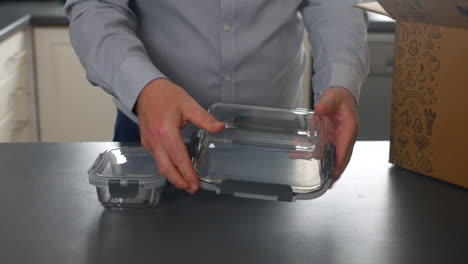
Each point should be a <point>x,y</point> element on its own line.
<point>125,130</point>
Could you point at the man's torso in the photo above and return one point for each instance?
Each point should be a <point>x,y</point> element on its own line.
<point>237,51</point>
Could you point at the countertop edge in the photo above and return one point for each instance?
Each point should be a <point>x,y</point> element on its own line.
<point>13,27</point>
<point>49,21</point>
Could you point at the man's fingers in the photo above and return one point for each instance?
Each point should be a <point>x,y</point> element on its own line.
<point>201,118</point>
<point>146,142</point>
<point>167,168</point>
<point>174,145</point>
<point>162,109</point>
<point>344,147</point>
<point>339,168</point>
<point>340,151</point>
<point>337,106</point>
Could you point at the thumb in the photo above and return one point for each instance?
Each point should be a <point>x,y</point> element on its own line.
<point>202,119</point>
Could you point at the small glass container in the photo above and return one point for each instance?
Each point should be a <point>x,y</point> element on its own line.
<point>265,153</point>
<point>126,177</point>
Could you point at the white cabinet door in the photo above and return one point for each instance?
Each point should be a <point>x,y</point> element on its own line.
<point>17,121</point>
<point>17,94</point>
<point>70,109</point>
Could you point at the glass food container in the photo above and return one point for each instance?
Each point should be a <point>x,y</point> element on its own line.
<point>126,177</point>
<point>265,153</point>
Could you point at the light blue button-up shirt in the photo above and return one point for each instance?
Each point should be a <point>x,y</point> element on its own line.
<point>236,51</point>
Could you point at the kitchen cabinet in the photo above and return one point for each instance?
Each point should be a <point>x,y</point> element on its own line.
<point>70,109</point>
<point>18,117</point>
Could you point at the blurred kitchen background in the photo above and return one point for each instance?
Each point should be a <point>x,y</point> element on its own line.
<point>45,97</point>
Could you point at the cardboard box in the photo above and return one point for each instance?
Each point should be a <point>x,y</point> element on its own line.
<point>429,130</point>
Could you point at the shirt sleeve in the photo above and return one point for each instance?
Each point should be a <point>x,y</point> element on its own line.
<point>103,34</point>
<point>337,35</point>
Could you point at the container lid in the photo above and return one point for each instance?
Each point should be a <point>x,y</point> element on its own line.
<point>266,153</point>
<point>125,165</point>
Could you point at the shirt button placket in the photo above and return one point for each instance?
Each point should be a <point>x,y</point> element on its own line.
<point>228,51</point>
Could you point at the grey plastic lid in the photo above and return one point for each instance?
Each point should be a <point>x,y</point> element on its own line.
<point>123,165</point>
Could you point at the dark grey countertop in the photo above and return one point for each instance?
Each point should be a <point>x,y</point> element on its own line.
<point>52,14</point>
<point>16,15</point>
<point>376,213</point>
<point>42,13</point>
<point>10,23</point>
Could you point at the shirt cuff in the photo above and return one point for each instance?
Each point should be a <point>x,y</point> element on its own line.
<point>337,74</point>
<point>135,73</point>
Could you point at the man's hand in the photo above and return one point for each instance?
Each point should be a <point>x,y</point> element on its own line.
<point>163,109</point>
<point>337,107</point>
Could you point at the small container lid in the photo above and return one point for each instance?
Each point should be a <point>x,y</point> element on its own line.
<point>124,165</point>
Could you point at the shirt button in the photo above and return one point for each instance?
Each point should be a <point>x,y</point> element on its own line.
<point>227,27</point>
<point>227,78</point>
